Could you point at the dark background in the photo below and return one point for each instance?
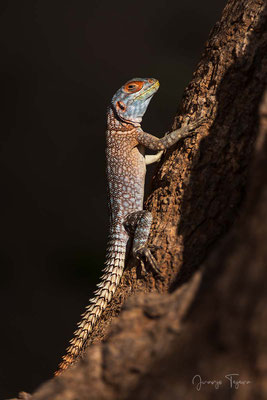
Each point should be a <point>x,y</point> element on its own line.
<point>61,62</point>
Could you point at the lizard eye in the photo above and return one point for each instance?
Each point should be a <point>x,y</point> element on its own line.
<point>133,87</point>
<point>121,105</point>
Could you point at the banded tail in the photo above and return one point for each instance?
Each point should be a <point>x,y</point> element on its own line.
<point>115,260</point>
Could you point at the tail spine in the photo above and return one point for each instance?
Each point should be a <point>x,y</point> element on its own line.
<point>109,282</point>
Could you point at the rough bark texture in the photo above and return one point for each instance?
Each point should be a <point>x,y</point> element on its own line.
<point>204,185</point>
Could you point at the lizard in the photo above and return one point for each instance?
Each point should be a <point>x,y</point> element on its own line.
<point>129,224</point>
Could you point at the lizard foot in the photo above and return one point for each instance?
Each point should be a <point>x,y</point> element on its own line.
<point>196,124</point>
<point>144,254</point>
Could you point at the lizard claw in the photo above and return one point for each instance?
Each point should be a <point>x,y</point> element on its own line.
<point>144,253</point>
<point>195,124</point>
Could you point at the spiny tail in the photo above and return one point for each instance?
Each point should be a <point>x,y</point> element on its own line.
<point>110,280</point>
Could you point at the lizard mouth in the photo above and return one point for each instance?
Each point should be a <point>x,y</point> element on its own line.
<point>149,92</point>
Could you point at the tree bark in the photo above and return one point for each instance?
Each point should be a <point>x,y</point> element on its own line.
<point>209,202</point>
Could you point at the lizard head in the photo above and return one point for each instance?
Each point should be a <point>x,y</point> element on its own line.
<point>131,100</point>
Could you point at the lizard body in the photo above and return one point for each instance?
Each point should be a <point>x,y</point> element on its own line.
<point>126,169</point>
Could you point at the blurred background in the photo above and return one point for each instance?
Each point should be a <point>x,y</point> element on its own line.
<point>61,62</point>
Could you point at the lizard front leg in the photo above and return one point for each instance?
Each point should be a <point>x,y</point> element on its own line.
<point>154,143</point>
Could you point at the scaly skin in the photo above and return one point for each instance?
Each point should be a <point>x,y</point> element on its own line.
<point>126,168</point>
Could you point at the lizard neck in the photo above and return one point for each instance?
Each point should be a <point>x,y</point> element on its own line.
<point>116,124</point>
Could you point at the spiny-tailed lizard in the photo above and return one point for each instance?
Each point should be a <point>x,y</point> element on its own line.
<point>126,169</point>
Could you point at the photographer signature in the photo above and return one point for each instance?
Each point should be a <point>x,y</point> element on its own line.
<point>233,381</point>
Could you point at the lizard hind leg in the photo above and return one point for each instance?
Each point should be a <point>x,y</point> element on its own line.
<point>138,225</point>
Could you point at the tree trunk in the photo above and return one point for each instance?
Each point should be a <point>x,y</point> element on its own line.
<point>205,184</point>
